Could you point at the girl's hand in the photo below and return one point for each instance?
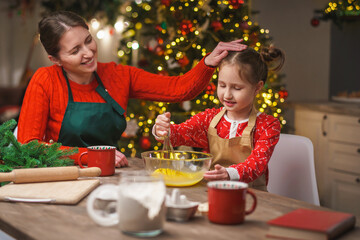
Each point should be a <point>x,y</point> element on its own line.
<point>221,51</point>
<point>219,173</point>
<point>162,124</point>
<point>120,160</point>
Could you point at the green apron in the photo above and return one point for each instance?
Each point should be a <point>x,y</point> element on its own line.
<point>87,123</point>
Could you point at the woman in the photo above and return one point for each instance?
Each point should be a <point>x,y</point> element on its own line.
<point>81,102</point>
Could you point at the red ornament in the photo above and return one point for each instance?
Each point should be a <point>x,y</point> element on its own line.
<point>158,27</point>
<point>236,3</point>
<point>111,31</point>
<point>186,27</point>
<point>315,22</point>
<point>145,142</point>
<point>217,25</point>
<point>244,25</point>
<point>159,50</point>
<point>210,89</point>
<point>184,61</point>
<point>166,2</point>
<point>254,38</point>
<point>283,94</point>
<point>160,41</point>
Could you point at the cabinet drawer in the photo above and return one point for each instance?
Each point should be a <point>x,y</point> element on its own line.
<point>343,128</point>
<point>344,192</point>
<point>344,157</point>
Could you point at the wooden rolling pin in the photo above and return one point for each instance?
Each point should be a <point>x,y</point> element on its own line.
<point>49,174</point>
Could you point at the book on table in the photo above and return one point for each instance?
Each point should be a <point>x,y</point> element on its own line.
<point>310,224</point>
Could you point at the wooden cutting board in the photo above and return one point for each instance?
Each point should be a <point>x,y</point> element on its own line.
<point>62,192</point>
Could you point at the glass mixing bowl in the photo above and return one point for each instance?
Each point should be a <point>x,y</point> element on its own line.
<point>178,168</point>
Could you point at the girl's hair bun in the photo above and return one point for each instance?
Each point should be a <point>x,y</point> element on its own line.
<point>273,57</point>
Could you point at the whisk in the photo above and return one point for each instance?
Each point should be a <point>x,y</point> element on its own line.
<point>168,148</point>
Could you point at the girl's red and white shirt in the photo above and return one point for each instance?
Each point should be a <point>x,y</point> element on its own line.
<point>193,132</point>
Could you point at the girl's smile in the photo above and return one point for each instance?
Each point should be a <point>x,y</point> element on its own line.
<point>229,103</point>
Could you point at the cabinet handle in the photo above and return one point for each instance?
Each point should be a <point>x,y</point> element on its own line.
<point>358,150</point>
<point>357,180</point>
<point>322,125</point>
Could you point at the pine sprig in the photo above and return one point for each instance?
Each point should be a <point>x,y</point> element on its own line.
<point>7,126</point>
<point>30,155</point>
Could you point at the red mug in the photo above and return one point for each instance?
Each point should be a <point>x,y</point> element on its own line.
<point>227,202</point>
<point>102,157</point>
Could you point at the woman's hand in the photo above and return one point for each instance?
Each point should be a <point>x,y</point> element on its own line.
<point>162,124</point>
<point>219,173</point>
<point>120,160</point>
<point>221,51</point>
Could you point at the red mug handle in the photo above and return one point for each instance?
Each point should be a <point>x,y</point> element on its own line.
<point>79,160</point>
<point>254,202</point>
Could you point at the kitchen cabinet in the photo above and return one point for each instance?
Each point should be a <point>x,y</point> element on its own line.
<point>310,124</point>
<point>335,133</point>
<point>344,194</point>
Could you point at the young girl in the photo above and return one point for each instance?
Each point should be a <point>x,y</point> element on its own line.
<point>240,138</point>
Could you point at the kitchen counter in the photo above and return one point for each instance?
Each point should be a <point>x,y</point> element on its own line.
<point>342,108</point>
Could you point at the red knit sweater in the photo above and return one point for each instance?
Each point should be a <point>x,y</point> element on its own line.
<point>193,133</point>
<point>46,97</point>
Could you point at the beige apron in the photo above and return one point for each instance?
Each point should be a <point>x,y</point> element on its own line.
<point>227,152</point>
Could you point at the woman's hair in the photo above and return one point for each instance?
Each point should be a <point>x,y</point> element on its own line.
<point>253,66</point>
<point>53,26</point>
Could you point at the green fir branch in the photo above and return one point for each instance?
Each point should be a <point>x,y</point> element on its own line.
<point>30,155</point>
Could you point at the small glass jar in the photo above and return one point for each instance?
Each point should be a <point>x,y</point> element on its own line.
<point>140,204</point>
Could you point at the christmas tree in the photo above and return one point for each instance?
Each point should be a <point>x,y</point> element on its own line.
<point>169,37</point>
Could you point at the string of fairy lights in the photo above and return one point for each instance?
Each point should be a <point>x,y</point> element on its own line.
<point>338,11</point>
<point>344,8</point>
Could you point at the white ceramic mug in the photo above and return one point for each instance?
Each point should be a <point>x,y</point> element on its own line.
<point>137,204</point>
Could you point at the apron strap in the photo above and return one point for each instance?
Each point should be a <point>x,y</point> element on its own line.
<point>104,93</point>
<point>217,118</point>
<point>251,123</point>
<point>71,99</point>
<point>249,130</point>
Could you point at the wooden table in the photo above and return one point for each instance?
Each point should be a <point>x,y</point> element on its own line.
<point>51,222</point>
